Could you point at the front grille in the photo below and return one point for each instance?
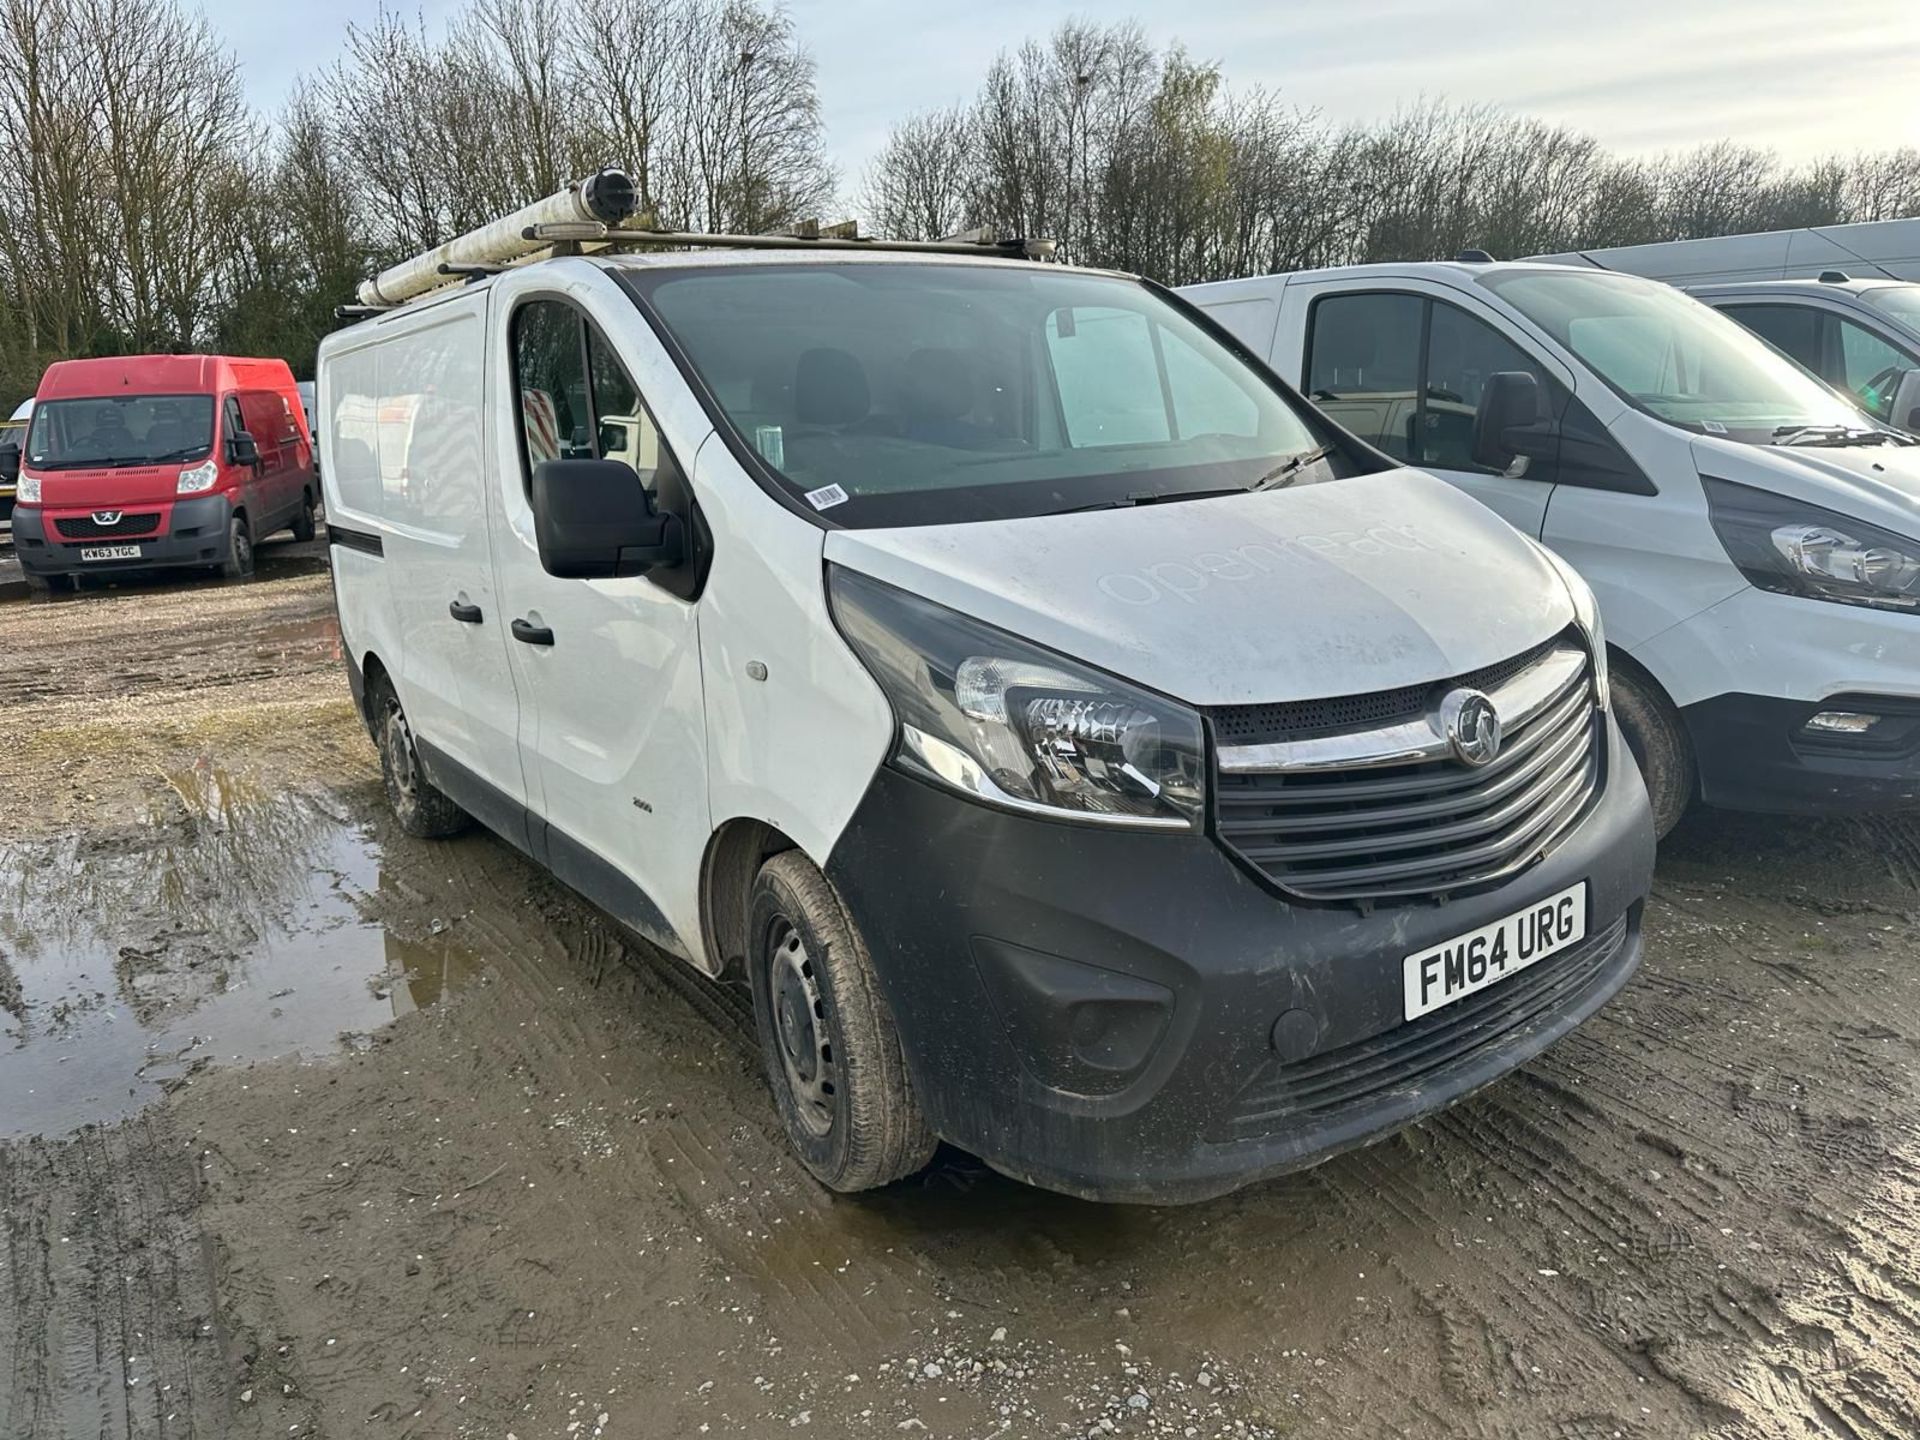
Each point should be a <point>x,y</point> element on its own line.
<point>1410,1055</point>
<point>1377,829</point>
<point>85,527</point>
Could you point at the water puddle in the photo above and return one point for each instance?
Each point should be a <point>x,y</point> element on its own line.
<point>226,929</point>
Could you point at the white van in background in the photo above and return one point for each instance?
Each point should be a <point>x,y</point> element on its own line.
<point>1872,249</point>
<point>1086,752</point>
<point>1754,539</point>
<point>1860,336</point>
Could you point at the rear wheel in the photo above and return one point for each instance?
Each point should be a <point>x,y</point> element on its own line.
<point>420,806</point>
<point>832,1054</point>
<point>238,561</point>
<point>303,525</point>
<point>1658,739</point>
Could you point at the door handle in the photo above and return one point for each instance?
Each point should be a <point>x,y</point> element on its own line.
<point>464,613</point>
<point>532,634</point>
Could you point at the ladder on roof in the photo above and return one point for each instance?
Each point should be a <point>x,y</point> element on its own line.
<point>599,213</point>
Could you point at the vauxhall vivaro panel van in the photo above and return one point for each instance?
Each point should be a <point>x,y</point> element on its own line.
<point>1753,537</point>
<point>1085,752</point>
<point>147,462</point>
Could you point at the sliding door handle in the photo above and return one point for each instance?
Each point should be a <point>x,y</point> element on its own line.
<point>466,614</point>
<point>528,634</point>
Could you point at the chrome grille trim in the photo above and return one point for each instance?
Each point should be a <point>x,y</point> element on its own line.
<point>1401,822</point>
<point>1412,741</point>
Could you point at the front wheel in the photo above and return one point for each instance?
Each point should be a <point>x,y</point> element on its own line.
<point>420,806</point>
<point>1658,739</point>
<point>237,564</point>
<point>832,1054</point>
<point>303,525</point>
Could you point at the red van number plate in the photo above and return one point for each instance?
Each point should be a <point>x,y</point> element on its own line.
<point>110,552</point>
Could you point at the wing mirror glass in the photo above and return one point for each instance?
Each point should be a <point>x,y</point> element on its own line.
<point>594,520</point>
<point>1512,420</point>
<point>241,449</point>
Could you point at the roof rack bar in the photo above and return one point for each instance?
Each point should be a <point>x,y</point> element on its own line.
<point>592,233</point>
<point>470,272</point>
<point>360,312</point>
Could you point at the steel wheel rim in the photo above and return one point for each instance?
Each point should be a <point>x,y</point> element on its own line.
<point>400,763</point>
<point>800,1029</point>
<point>243,551</point>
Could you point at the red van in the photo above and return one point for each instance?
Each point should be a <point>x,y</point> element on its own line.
<point>148,461</point>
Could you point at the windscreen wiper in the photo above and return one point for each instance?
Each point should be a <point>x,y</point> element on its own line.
<point>1148,497</point>
<point>1834,435</point>
<point>1283,473</point>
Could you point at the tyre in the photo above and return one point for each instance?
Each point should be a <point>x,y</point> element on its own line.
<point>1658,740</point>
<point>303,524</point>
<point>832,1054</point>
<point>418,804</point>
<point>38,584</point>
<point>238,563</point>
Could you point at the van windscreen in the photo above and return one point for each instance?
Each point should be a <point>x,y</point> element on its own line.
<point>119,430</point>
<point>904,393</point>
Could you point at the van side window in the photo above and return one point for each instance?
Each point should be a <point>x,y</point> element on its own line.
<point>1462,353</point>
<point>1870,367</point>
<point>577,401</point>
<point>1363,366</point>
<point>1792,329</point>
<point>1407,373</point>
<point>231,422</point>
<point>550,368</point>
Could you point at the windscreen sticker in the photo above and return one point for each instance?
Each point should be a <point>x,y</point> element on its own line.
<point>1713,427</point>
<point>826,497</point>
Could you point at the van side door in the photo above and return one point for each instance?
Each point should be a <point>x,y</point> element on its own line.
<point>613,729</point>
<point>1406,366</point>
<point>274,432</point>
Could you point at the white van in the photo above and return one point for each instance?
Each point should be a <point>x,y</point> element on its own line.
<point>1753,538</point>
<point>1860,336</point>
<point>1086,753</point>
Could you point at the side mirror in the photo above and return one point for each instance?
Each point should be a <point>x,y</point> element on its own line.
<point>1905,414</point>
<point>1513,420</point>
<point>9,462</point>
<point>241,449</point>
<point>594,520</point>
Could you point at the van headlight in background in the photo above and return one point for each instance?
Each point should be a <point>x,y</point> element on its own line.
<point>1791,548</point>
<point>27,490</point>
<point>1586,614</point>
<point>200,478</point>
<point>1012,725</point>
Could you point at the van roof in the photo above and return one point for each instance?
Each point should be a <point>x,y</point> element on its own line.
<point>161,375</point>
<point>1446,272</point>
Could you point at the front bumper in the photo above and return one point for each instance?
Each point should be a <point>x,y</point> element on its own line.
<point>1129,1016</point>
<point>190,532</point>
<point>1754,753</point>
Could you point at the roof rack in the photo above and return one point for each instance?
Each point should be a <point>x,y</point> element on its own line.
<point>599,213</point>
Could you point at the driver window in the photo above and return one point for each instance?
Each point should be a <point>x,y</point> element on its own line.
<point>577,401</point>
<point>1462,354</point>
<point>1871,368</point>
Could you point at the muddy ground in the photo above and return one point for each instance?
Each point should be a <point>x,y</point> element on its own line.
<point>307,1128</point>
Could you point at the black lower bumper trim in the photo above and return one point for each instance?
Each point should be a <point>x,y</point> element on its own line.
<point>1755,753</point>
<point>936,883</point>
<point>197,535</point>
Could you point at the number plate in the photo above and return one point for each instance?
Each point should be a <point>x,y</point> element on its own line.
<point>1458,967</point>
<point>110,552</point>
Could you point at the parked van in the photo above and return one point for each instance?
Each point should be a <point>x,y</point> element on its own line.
<point>1086,753</point>
<point>149,461</point>
<point>1870,249</point>
<point>1753,538</point>
<point>13,431</point>
<point>1860,336</point>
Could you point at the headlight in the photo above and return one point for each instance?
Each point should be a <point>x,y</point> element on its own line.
<point>1586,614</point>
<point>1010,724</point>
<point>199,478</point>
<point>1791,548</point>
<point>28,492</point>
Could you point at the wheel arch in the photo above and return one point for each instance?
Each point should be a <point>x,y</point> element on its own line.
<point>735,852</point>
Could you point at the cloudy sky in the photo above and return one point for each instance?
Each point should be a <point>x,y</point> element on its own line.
<point>1802,78</point>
